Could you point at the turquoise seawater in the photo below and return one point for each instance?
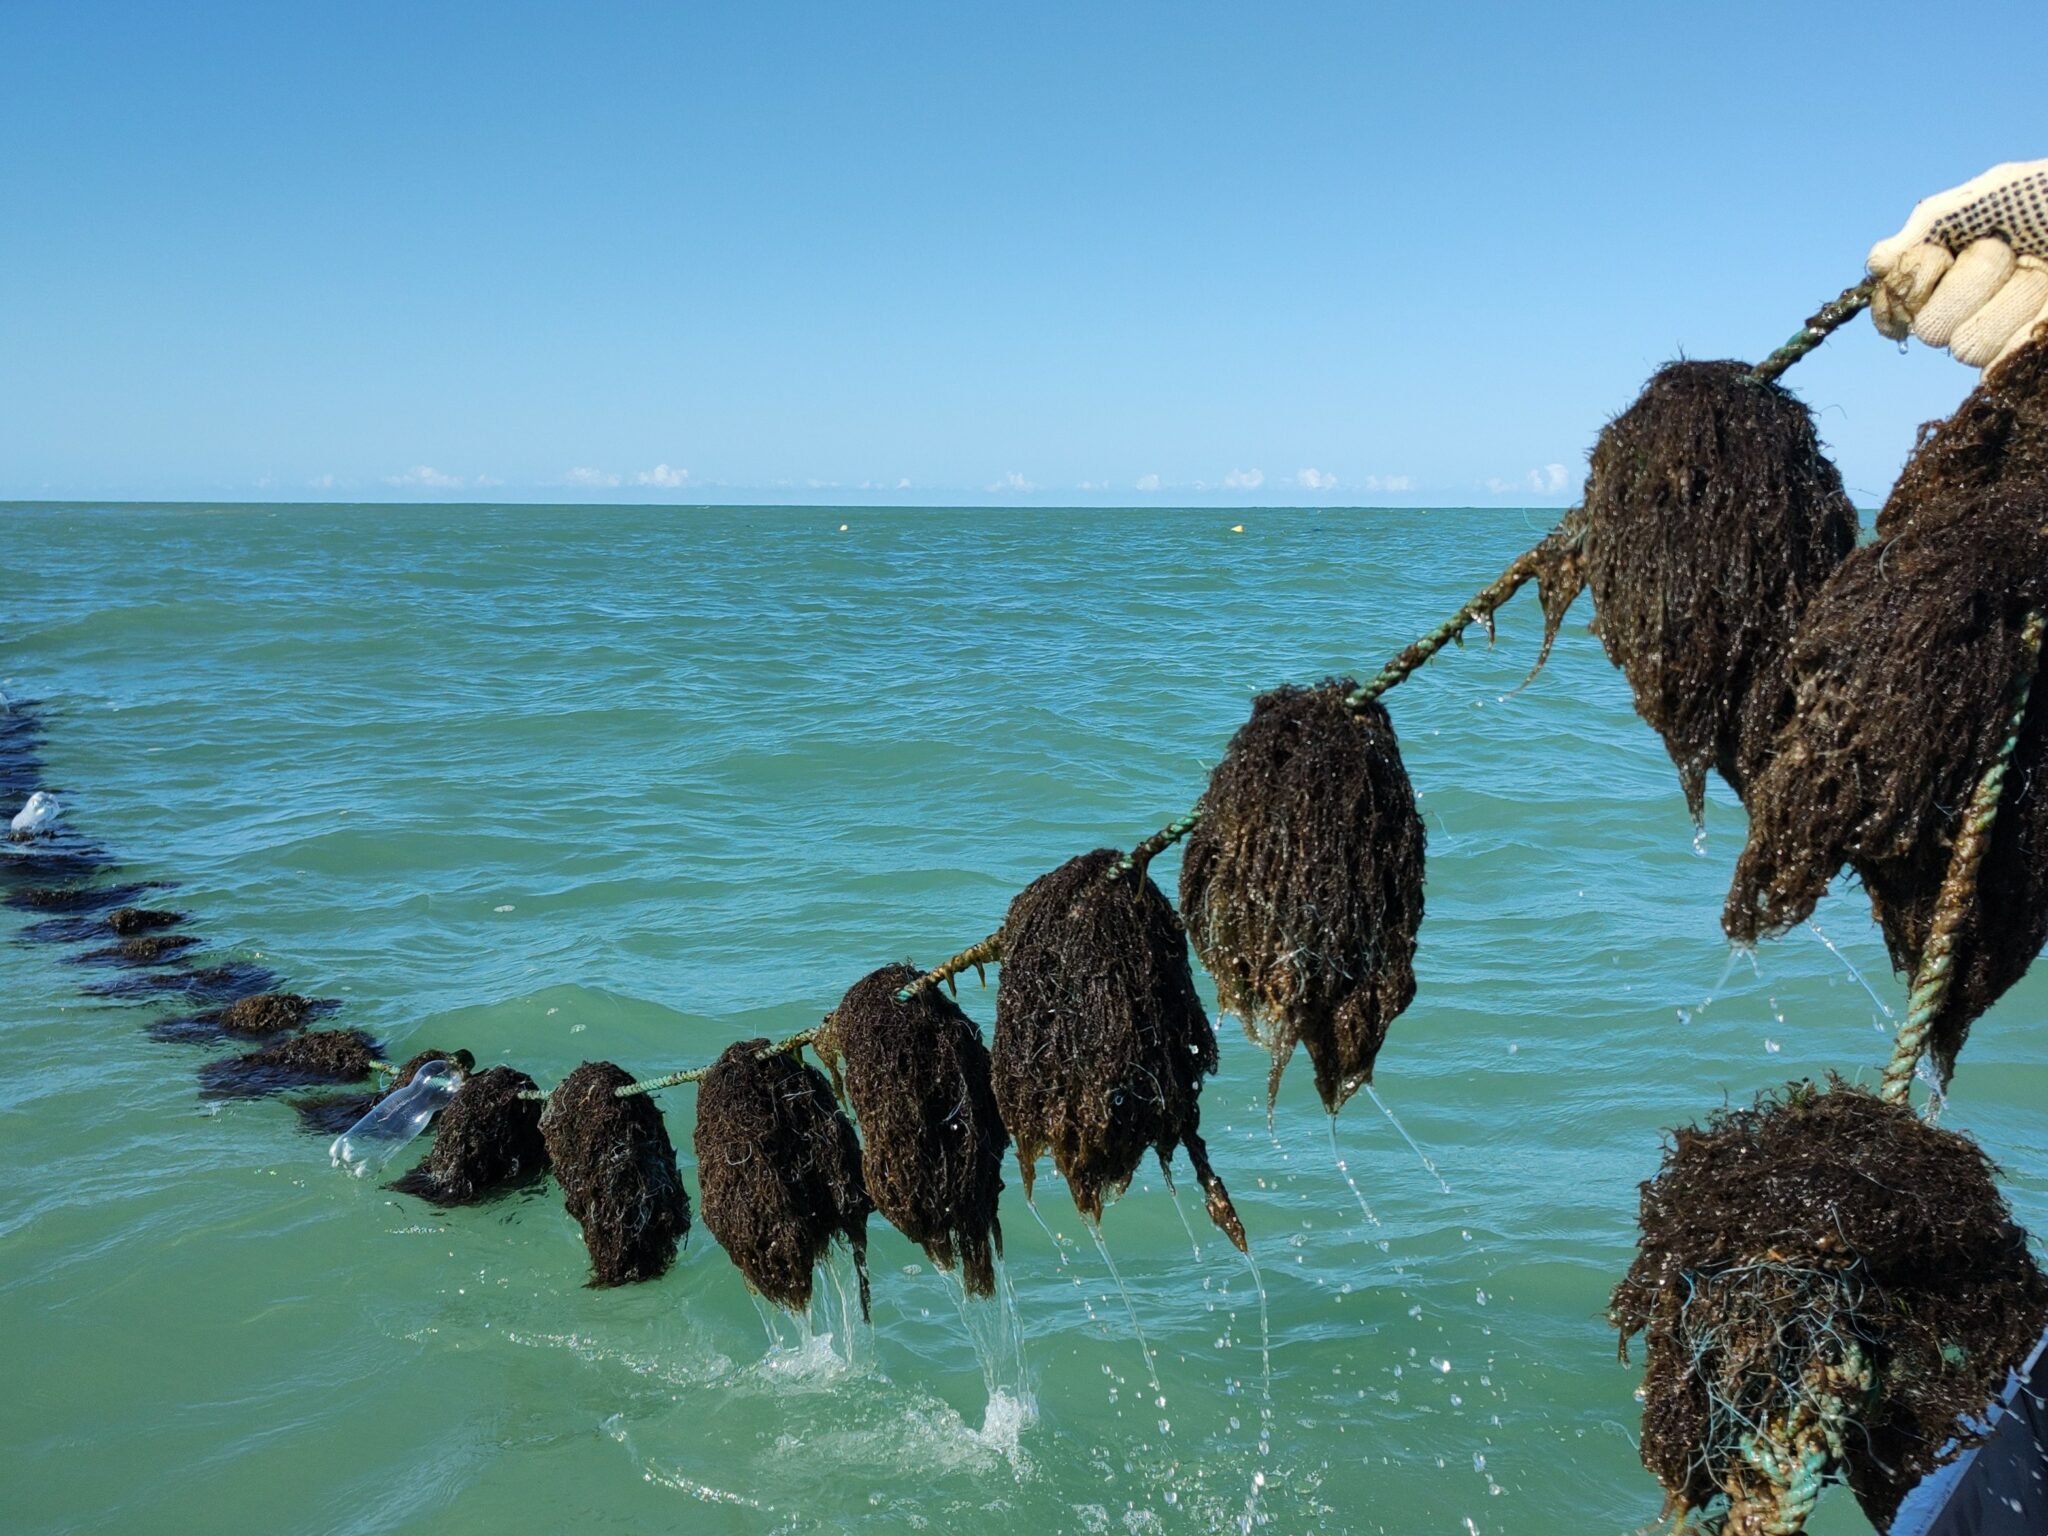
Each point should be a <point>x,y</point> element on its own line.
<point>564,783</point>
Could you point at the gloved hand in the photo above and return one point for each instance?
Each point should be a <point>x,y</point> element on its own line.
<point>1970,270</point>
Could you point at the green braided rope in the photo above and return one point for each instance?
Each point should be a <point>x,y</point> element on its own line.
<point>1959,885</point>
<point>976,955</point>
<point>1822,324</point>
<point>1817,329</point>
<point>1141,857</point>
<point>1482,605</point>
<point>1797,1461</point>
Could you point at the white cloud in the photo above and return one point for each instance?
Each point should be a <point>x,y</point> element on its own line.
<point>1148,482</point>
<point>663,477</point>
<point>903,484</point>
<point>1315,480</point>
<point>488,480</point>
<point>595,479</point>
<point>1244,479</point>
<point>1392,483</point>
<point>322,482</point>
<point>1550,480</point>
<point>1013,482</point>
<point>425,476</point>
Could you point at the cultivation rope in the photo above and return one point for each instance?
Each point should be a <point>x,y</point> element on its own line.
<point>1796,1461</point>
<point>1959,886</point>
<point>976,955</point>
<point>1824,322</point>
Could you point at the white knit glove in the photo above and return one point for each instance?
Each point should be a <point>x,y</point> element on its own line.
<point>1970,270</point>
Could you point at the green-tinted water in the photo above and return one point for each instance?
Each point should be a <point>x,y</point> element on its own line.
<point>564,783</point>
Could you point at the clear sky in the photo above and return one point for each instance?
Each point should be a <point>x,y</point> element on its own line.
<point>949,252</point>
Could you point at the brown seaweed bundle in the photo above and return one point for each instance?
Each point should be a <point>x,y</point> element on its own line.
<point>1101,1043</point>
<point>143,949</point>
<point>266,1013</point>
<point>1903,676</point>
<point>617,1169</point>
<point>249,1018</point>
<point>1996,439</point>
<point>74,898</point>
<point>322,1056</point>
<point>129,921</point>
<point>932,1137</point>
<point>1711,519</point>
<point>486,1139</point>
<point>1828,1284</point>
<point>329,1114</point>
<point>780,1171</point>
<point>1302,883</point>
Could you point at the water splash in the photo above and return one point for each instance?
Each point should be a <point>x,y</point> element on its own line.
<point>1173,1189</point>
<point>1856,975</point>
<point>1144,1345</point>
<point>996,1332</point>
<point>1344,1168</point>
<point>1413,1145</point>
<point>1254,1514</point>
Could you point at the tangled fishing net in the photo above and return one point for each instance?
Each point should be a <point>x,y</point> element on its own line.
<point>486,1140</point>
<point>1828,1287</point>
<point>329,1114</point>
<point>1101,1042</point>
<point>1302,883</point>
<point>932,1137</point>
<point>780,1170</point>
<point>320,1056</point>
<point>1711,518</point>
<point>1903,674</point>
<point>617,1169</point>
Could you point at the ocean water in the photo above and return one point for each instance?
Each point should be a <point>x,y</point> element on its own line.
<point>564,783</point>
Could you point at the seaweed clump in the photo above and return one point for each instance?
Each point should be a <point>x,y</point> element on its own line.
<point>617,1168</point>
<point>1997,439</point>
<point>1711,519</point>
<point>143,949</point>
<point>780,1168</point>
<point>1302,882</point>
<point>933,1139</point>
<point>1830,1288</point>
<point>1904,675</point>
<point>486,1139</point>
<point>1101,1043</point>
<point>322,1056</point>
<point>128,921</point>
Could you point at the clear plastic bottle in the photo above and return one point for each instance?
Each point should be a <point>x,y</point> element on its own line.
<point>36,819</point>
<point>365,1147</point>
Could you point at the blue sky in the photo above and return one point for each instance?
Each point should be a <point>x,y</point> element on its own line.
<point>1048,253</point>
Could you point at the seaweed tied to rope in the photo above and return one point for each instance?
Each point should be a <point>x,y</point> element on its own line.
<point>932,1137</point>
<point>1101,1044</point>
<point>1829,1288</point>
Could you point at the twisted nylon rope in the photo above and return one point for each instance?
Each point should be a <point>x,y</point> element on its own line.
<point>1797,1460</point>
<point>1822,324</point>
<point>1959,885</point>
<point>976,955</point>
